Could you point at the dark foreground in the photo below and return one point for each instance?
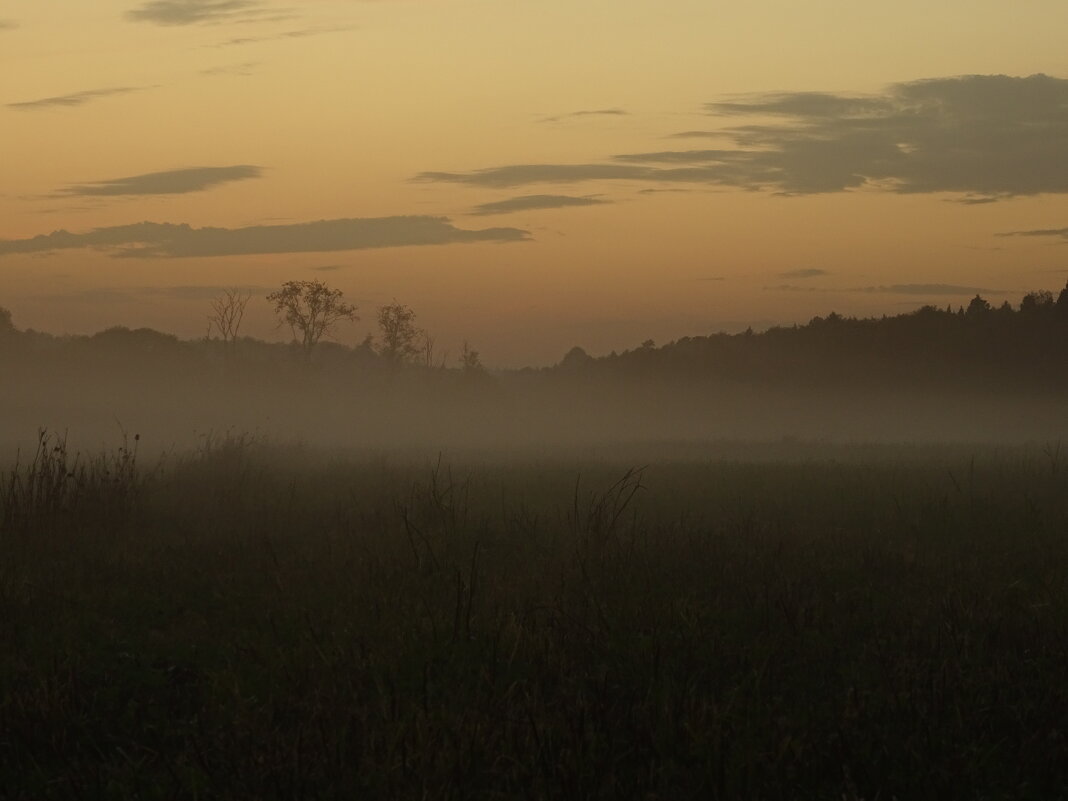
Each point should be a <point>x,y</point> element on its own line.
<point>250,622</point>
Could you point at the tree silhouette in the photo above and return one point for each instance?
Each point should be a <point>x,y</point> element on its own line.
<point>227,312</point>
<point>312,309</point>
<point>6,324</point>
<point>397,342</point>
<point>470,362</point>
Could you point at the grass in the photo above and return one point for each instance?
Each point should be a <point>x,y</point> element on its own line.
<point>249,621</point>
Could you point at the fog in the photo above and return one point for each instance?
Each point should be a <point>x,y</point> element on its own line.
<point>177,400</point>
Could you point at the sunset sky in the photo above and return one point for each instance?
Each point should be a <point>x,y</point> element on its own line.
<point>529,175</point>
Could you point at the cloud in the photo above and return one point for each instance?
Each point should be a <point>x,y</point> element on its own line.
<point>1061,232</point>
<point>604,112</point>
<point>927,289</point>
<point>896,289</point>
<point>8,25</point>
<point>696,135</point>
<point>198,12</point>
<point>170,182</point>
<point>300,33</point>
<point>804,273</point>
<point>244,69</point>
<point>75,99</point>
<point>328,268</point>
<point>790,288</point>
<point>529,202</point>
<point>522,174</point>
<point>983,137</point>
<point>169,240</point>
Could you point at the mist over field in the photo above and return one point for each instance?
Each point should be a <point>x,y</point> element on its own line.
<point>932,376</point>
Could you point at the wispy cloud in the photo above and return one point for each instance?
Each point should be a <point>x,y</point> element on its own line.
<point>531,202</point>
<point>928,289</point>
<point>1061,232</point>
<point>170,182</point>
<point>523,174</point>
<point>199,12</point>
<point>299,33</point>
<point>170,240</point>
<point>803,273</point>
<point>696,135</point>
<point>896,289</point>
<point>603,112</point>
<point>8,25</point>
<point>244,69</point>
<point>981,137</point>
<point>74,99</point>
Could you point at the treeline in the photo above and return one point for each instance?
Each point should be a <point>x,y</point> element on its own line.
<point>978,345</point>
<point>1022,347</point>
<point>310,310</point>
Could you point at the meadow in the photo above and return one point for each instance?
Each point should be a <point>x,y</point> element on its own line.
<point>253,620</point>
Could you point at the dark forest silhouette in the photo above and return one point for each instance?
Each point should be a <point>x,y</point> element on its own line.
<point>978,343</point>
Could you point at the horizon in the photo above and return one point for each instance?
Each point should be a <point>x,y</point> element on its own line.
<point>664,174</point>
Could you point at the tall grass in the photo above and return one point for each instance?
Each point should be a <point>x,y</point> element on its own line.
<point>255,622</point>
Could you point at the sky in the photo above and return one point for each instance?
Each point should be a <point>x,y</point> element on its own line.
<point>529,176</point>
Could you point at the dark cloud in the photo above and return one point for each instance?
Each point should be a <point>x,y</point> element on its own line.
<point>169,240</point>
<point>171,182</point>
<point>529,202</point>
<point>75,99</point>
<point>1061,232</point>
<point>8,25</point>
<point>983,137</point>
<point>604,112</point>
<point>198,12</point>
<point>804,273</point>
<point>328,268</point>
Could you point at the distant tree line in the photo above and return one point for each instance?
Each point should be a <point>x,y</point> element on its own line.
<point>979,344</point>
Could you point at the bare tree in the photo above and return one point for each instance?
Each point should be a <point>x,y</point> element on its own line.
<point>227,312</point>
<point>310,309</point>
<point>397,342</point>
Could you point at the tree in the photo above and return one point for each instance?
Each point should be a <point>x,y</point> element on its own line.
<point>397,342</point>
<point>1039,300</point>
<point>470,362</point>
<point>227,312</point>
<point>1062,301</point>
<point>312,309</point>
<point>427,344</point>
<point>7,327</point>
<point>978,307</point>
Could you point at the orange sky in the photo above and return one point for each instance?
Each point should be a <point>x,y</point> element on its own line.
<point>856,157</point>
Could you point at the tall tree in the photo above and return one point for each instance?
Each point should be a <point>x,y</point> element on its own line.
<point>311,309</point>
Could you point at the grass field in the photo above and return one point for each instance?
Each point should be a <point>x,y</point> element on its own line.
<point>262,622</point>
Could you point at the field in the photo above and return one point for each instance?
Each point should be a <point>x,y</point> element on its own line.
<point>257,621</point>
